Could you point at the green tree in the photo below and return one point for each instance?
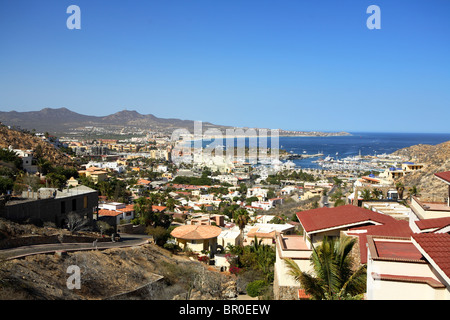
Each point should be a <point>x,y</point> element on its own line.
<point>255,288</point>
<point>335,274</point>
<point>376,193</point>
<point>366,194</point>
<point>241,218</point>
<point>6,184</point>
<point>400,189</point>
<point>413,191</point>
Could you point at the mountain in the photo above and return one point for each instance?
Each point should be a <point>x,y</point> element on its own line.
<point>436,158</point>
<point>63,120</point>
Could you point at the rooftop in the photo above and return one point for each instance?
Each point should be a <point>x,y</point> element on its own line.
<point>444,176</point>
<point>394,249</point>
<point>343,216</point>
<point>436,247</point>
<point>196,232</point>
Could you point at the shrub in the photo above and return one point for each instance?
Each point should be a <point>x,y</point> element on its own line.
<point>256,287</point>
<point>160,235</point>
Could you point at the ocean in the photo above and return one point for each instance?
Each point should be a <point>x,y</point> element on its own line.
<point>364,143</point>
<point>359,142</point>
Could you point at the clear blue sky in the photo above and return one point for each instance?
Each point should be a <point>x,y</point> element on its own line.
<point>291,64</point>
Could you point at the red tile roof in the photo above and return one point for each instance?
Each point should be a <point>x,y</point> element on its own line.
<point>395,228</point>
<point>443,175</point>
<point>348,215</point>
<point>436,247</point>
<point>159,208</point>
<point>435,223</point>
<point>397,250</point>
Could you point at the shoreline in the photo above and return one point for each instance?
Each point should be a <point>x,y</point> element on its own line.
<point>268,136</point>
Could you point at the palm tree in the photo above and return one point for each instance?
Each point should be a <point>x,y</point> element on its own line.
<point>241,218</point>
<point>366,194</point>
<point>334,274</point>
<point>376,193</point>
<point>413,191</point>
<point>400,188</point>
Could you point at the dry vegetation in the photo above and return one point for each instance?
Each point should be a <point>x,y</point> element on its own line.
<point>107,273</point>
<point>436,159</point>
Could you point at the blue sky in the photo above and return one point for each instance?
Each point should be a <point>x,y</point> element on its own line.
<point>290,64</point>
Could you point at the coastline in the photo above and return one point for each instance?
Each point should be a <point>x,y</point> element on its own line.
<point>269,136</point>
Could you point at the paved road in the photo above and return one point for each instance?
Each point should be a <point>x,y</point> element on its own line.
<point>126,241</point>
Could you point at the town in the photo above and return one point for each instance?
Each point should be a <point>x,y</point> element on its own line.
<point>263,224</point>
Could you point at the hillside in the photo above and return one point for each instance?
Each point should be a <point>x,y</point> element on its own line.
<point>24,141</point>
<point>108,273</point>
<point>436,159</point>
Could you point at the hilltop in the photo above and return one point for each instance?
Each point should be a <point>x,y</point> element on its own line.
<point>436,159</point>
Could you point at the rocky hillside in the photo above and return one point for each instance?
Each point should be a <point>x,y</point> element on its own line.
<point>436,159</point>
<point>108,273</point>
<point>26,141</point>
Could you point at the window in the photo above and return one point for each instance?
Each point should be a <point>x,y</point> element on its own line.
<point>74,204</point>
<point>85,202</point>
<point>63,207</point>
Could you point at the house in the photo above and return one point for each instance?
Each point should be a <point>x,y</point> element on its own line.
<point>204,219</point>
<point>258,192</point>
<point>316,192</point>
<point>321,222</point>
<point>294,247</point>
<point>115,213</point>
<point>96,174</point>
<point>265,232</point>
<point>430,210</point>
<point>392,208</point>
<point>265,205</point>
<point>198,238</point>
<point>52,205</point>
<point>229,237</point>
<point>413,268</point>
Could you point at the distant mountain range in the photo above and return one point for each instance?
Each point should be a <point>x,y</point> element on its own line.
<point>62,120</point>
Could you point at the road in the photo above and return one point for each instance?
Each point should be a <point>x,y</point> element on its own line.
<point>324,199</point>
<point>127,240</point>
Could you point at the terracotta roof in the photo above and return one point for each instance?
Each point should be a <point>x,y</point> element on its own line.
<point>437,247</point>
<point>144,181</point>
<point>128,208</point>
<point>435,223</point>
<point>443,175</point>
<point>159,208</point>
<point>196,232</point>
<point>325,218</point>
<point>395,228</point>
<point>110,213</point>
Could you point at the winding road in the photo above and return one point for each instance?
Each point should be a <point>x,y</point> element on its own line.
<point>127,240</point>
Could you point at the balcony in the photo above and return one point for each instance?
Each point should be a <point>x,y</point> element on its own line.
<point>429,210</point>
